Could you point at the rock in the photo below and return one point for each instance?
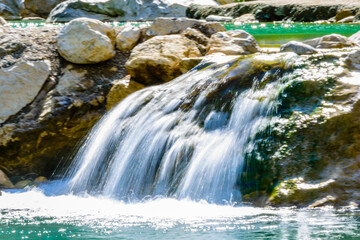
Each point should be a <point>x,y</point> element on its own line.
<point>40,179</point>
<point>121,10</point>
<point>85,41</point>
<point>41,7</point>
<point>232,43</point>
<point>33,19</point>
<point>355,37</point>
<point>217,18</point>
<point>198,37</point>
<point>2,21</point>
<point>330,41</point>
<point>328,200</point>
<point>297,47</point>
<point>347,19</point>
<point>11,45</point>
<point>245,18</point>
<point>127,38</point>
<point>210,28</point>
<point>23,184</point>
<point>225,1</point>
<point>5,181</point>
<point>352,60</point>
<point>10,9</point>
<point>158,58</point>
<point>120,90</point>
<point>343,13</point>
<point>166,26</point>
<point>20,84</point>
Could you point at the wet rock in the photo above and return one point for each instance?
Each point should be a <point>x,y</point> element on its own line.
<point>23,184</point>
<point>120,90</point>
<point>127,38</point>
<point>20,84</point>
<point>5,181</point>
<point>158,58</point>
<point>297,47</point>
<point>41,7</point>
<point>121,10</point>
<point>232,43</point>
<point>85,41</point>
<point>330,41</point>
<point>217,18</point>
<point>197,37</point>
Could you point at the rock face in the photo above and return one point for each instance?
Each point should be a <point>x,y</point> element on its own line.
<point>68,103</point>
<point>264,12</point>
<point>127,38</point>
<point>20,84</point>
<point>330,41</point>
<point>297,47</point>
<point>157,59</point>
<point>85,41</point>
<point>121,10</point>
<point>41,8</point>
<point>232,43</point>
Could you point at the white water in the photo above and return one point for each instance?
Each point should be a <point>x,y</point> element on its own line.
<point>168,141</point>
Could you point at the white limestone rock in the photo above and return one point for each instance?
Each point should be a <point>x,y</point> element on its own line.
<point>20,84</point>
<point>86,41</point>
<point>297,47</point>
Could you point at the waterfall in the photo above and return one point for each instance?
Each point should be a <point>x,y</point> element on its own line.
<point>183,139</point>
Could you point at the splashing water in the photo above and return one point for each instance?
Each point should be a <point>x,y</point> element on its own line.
<point>184,139</point>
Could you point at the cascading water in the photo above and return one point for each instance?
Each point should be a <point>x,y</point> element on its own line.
<point>183,139</point>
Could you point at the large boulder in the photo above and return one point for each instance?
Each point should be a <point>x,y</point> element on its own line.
<point>330,41</point>
<point>20,84</point>
<point>157,59</point>
<point>85,41</point>
<point>233,42</point>
<point>41,8</point>
<point>121,10</point>
<point>352,60</point>
<point>297,47</point>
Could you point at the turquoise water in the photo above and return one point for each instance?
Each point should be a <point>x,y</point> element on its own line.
<point>32,215</point>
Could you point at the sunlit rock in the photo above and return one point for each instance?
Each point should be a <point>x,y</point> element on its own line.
<point>331,41</point>
<point>232,43</point>
<point>219,18</point>
<point>342,14</point>
<point>245,18</point>
<point>120,90</point>
<point>85,41</point>
<point>41,7</point>
<point>20,84</point>
<point>127,38</point>
<point>158,58</point>
<point>297,47</point>
<point>353,59</point>
<point>5,181</point>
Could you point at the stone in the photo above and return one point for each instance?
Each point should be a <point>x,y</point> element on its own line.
<point>157,59</point>
<point>187,64</point>
<point>297,47</point>
<point>210,28</point>
<point>127,38</point>
<point>120,90</point>
<point>40,179</point>
<point>10,9</point>
<point>355,37</point>
<point>166,26</point>
<point>217,18</point>
<point>2,21</point>
<point>233,42</point>
<point>20,84</point>
<point>349,19</point>
<point>23,184</point>
<point>86,41</point>
<point>122,10</point>
<point>352,60</point>
<point>5,181</point>
<point>198,37</point>
<point>245,18</point>
<point>11,45</point>
<point>328,200</point>
<point>225,1</point>
<point>330,41</point>
<point>41,7</point>
<point>343,13</point>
